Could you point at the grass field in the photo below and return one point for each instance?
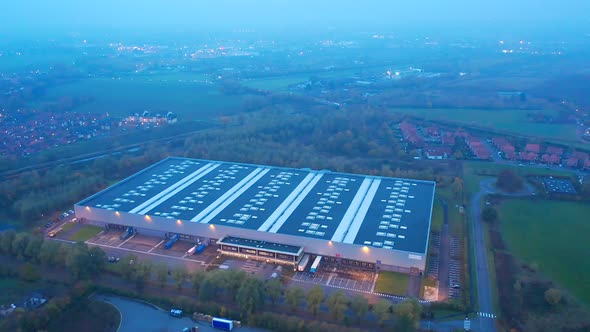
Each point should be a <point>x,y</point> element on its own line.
<point>86,233</point>
<point>392,283</point>
<point>553,235</point>
<point>67,227</point>
<point>437,216</point>
<point>507,121</point>
<point>190,99</point>
<point>282,83</point>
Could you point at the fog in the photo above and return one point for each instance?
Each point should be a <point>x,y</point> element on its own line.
<point>18,16</point>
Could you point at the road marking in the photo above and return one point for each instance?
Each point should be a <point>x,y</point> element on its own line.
<point>366,292</point>
<point>157,245</point>
<point>145,253</point>
<point>374,282</point>
<point>486,315</point>
<point>131,237</point>
<point>330,278</point>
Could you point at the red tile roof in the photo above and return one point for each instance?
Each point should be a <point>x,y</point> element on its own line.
<point>507,148</point>
<point>528,156</point>
<point>554,150</point>
<point>572,162</point>
<point>510,155</point>
<point>550,158</point>
<point>499,141</point>
<point>432,131</point>
<point>448,139</point>
<point>536,148</point>
<point>580,155</point>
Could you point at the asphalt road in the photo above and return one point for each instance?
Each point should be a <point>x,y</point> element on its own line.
<point>482,273</point>
<point>141,316</point>
<point>443,266</point>
<point>483,283</point>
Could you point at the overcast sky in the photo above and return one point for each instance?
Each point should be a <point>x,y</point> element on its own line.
<point>25,15</point>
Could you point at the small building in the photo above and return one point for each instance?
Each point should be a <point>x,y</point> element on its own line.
<point>510,155</point>
<point>508,148</point>
<point>482,153</point>
<point>583,156</point>
<point>551,159</point>
<point>437,152</point>
<point>535,148</point>
<point>433,131</point>
<point>34,300</point>
<point>572,162</point>
<point>554,150</point>
<point>498,142</point>
<point>529,156</point>
<point>448,139</point>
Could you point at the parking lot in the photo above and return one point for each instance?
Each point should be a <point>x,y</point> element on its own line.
<point>455,269</point>
<point>108,238</point>
<point>260,269</point>
<point>152,245</point>
<point>348,278</point>
<point>141,242</point>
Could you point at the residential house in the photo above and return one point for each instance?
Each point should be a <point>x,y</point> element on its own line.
<point>529,156</point>
<point>551,159</point>
<point>554,150</point>
<point>535,148</point>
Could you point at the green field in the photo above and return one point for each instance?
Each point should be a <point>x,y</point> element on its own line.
<point>282,83</point>
<point>505,121</point>
<point>190,100</point>
<point>437,216</point>
<point>392,283</point>
<point>85,233</point>
<point>68,226</point>
<point>553,235</point>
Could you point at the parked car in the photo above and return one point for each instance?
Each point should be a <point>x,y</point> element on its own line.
<point>175,312</point>
<point>112,259</point>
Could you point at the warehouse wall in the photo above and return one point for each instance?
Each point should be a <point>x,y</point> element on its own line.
<point>395,260</point>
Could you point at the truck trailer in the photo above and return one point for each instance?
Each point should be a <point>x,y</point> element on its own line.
<point>201,247</point>
<point>171,242</point>
<point>128,233</point>
<point>192,250</point>
<point>222,324</point>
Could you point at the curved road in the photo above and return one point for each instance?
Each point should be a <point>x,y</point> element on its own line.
<point>138,316</point>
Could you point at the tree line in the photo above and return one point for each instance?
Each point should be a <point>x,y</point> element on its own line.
<point>245,297</point>
<point>354,141</point>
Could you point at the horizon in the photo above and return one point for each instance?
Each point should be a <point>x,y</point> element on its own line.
<point>36,18</point>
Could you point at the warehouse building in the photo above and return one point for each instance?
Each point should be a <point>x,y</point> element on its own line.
<point>274,213</point>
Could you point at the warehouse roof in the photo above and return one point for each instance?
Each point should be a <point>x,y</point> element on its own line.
<point>374,211</point>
